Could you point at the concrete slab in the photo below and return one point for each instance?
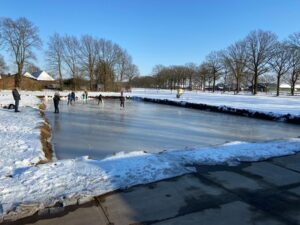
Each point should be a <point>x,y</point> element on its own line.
<point>234,181</point>
<point>162,200</point>
<point>295,190</point>
<point>91,215</point>
<point>273,174</point>
<point>291,162</point>
<point>235,213</point>
<point>282,204</point>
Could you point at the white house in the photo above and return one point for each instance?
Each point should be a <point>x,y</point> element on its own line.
<point>27,74</point>
<point>42,75</point>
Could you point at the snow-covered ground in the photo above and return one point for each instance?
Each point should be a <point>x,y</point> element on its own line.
<point>269,104</point>
<point>23,182</point>
<point>273,105</point>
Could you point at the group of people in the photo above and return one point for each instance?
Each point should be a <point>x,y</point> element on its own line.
<point>71,99</point>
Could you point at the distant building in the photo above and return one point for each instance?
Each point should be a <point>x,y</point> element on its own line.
<point>27,74</point>
<point>286,86</point>
<point>42,75</point>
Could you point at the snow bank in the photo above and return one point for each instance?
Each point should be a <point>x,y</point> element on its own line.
<point>20,139</point>
<point>27,99</point>
<point>45,184</point>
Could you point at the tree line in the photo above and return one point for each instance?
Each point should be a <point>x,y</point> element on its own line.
<point>259,58</point>
<point>99,60</point>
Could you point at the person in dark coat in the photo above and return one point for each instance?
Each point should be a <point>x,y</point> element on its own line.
<point>56,100</point>
<point>73,97</point>
<point>69,99</point>
<point>17,98</point>
<point>100,99</point>
<point>122,100</point>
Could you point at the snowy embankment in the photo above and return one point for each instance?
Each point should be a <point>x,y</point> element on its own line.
<point>285,108</point>
<point>19,135</point>
<point>24,184</point>
<point>67,180</point>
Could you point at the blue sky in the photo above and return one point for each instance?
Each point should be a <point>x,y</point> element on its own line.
<point>167,32</point>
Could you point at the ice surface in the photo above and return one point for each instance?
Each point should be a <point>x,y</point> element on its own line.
<point>102,130</point>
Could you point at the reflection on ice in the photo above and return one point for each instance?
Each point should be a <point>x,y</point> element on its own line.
<point>101,130</point>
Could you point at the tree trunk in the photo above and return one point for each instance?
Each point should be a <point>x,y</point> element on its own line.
<point>278,85</point>
<point>214,84</point>
<point>237,84</point>
<point>18,76</point>
<point>60,78</point>
<point>293,89</point>
<point>255,83</point>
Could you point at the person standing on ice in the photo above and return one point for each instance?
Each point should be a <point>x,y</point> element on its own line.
<point>56,100</point>
<point>73,97</point>
<point>100,99</point>
<point>86,96</point>
<point>69,98</point>
<point>17,98</point>
<point>122,100</point>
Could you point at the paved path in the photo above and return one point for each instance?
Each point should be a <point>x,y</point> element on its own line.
<point>265,192</point>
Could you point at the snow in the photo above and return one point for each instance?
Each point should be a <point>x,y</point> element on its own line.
<point>20,139</point>
<point>24,181</point>
<point>57,181</point>
<point>277,106</point>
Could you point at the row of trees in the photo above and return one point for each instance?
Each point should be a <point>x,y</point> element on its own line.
<point>99,60</point>
<point>259,57</point>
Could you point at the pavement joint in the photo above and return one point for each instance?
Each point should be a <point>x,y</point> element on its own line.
<point>101,209</point>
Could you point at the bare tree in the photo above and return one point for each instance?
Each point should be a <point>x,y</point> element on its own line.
<point>107,59</point>
<point>31,68</point>
<point>3,66</point>
<point>293,76</point>
<point>71,57</point>
<point>214,64</point>
<point>204,74</point>
<point>268,79</point>
<point>191,71</point>
<point>124,65</point>
<point>280,63</point>
<point>88,56</point>
<point>20,36</point>
<point>294,40</point>
<point>132,72</point>
<point>235,58</point>
<point>260,49</point>
<point>54,55</point>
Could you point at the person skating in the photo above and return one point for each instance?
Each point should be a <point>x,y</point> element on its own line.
<point>56,100</point>
<point>73,97</point>
<point>17,98</point>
